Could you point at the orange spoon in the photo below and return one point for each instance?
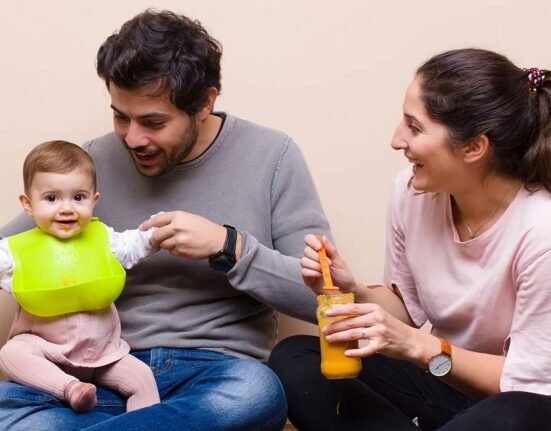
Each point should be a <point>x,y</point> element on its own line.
<point>327,280</point>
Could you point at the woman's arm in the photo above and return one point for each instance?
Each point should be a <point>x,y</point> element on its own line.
<point>474,374</point>
<point>345,280</point>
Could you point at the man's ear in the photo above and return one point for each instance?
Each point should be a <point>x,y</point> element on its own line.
<point>477,149</point>
<point>208,105</point>
<point>26,204</point>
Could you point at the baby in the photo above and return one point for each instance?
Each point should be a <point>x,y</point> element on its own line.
<point>65,275</point>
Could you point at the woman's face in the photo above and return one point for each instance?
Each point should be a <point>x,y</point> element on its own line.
<point>426,145</point>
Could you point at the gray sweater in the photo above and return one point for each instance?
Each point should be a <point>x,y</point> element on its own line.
<point>252,178</point>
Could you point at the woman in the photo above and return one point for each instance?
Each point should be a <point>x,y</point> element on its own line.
<point>468,249</point>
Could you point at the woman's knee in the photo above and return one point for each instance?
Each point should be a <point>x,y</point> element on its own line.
<point>505,411</point>
<point>294,358</point>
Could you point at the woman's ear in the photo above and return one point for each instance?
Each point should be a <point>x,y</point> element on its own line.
<point>26,204</point>
<point>477,149</point>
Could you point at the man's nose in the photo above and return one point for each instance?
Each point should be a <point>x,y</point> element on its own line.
<point>135,136</point>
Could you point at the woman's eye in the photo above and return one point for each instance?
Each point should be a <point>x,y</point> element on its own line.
<point>415,130</point>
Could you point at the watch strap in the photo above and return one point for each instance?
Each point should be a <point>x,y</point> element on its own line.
<point>445,347</point>
<point>231,241</point>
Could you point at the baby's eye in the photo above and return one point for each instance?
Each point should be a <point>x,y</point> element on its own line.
<point>80,197</point>
<point>51,198</point>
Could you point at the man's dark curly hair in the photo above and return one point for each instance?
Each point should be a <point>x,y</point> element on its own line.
<point>165,48</point>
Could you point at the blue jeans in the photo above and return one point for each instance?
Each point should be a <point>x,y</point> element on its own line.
<point>199,389</point>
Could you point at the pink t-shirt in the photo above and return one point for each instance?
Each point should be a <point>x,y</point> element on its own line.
<point>491,294</point>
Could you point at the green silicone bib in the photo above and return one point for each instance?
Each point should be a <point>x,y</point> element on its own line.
<point>54,276</point>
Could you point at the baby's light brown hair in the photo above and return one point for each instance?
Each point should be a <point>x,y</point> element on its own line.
<point>57,157</point>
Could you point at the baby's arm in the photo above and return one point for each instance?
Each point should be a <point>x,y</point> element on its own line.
<point>6,265</point>
<point>130,246</point>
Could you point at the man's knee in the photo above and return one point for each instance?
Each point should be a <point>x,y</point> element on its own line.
<point>256,395</point>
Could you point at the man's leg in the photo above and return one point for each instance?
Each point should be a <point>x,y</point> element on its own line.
<point>23,408</point>
<point>507,411</point>
<point>202,390</point>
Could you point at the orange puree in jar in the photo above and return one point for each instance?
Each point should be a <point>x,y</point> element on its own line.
<point>334,364</point>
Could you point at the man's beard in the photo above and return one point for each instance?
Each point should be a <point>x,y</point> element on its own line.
<point>172,157</point>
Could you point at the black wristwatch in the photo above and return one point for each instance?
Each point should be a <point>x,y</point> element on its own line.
<point>225,259</point>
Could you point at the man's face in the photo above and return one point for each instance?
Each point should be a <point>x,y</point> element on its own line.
<point>155,132</point>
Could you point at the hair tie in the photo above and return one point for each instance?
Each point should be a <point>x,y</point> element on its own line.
<point>535,77</point>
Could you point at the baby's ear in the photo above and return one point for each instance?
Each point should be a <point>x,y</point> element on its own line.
<point>96,197</point>
<point>26,204</point>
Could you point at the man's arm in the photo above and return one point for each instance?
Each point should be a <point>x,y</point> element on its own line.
<point>19,224</point>
<point>273,276</point>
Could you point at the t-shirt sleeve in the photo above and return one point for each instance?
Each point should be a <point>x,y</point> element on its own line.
<point>397,274</point>
<point>528,347</point>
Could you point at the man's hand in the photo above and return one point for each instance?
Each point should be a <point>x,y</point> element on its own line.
<point>185,234</point>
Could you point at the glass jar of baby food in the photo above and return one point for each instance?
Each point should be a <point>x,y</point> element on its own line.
<point>334,364</point>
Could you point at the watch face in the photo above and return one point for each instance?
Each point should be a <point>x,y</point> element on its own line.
<point>220,262</point>
<point>440,365</point>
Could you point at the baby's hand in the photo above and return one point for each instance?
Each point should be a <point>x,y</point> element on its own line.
<point>140,227</point>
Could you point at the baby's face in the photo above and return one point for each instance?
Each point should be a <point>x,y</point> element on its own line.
<point>61,204</point>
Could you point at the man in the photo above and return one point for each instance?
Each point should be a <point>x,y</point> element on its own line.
<point>233,202</point>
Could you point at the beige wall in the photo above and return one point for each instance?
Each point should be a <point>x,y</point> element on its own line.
<point>331,74</point>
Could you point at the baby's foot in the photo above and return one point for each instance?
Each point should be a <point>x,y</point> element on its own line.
<point>80,396</point>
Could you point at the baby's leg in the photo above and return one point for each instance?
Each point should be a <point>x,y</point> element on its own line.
<point>133,379</point>
<point>25,363</point>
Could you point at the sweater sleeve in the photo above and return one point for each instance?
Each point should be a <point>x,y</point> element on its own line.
<point>273,276</point>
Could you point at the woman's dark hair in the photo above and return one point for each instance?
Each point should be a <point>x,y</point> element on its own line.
<point>165,48</point>
<point>474,92</point>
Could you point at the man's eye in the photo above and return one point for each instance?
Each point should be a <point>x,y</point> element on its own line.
<point>155,124</point>
<point>120,118</point>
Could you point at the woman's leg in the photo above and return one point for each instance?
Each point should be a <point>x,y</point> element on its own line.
<point>507,411</point>
<point>387,395</point>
